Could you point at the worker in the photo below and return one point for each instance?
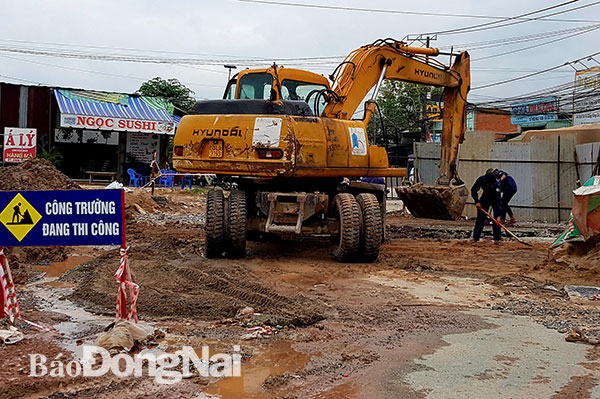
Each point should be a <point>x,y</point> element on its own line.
<point>489,198</point>
<point>154,172</point>
<point>508,187</point>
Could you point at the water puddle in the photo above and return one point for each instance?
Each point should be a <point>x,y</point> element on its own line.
<point>57,269</point>
<point>272,359</point>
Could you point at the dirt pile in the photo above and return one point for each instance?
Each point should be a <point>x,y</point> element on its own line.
<point>576,257</point>
<point>139,202</point>
<point>35,174</point>
<point>177,281</point>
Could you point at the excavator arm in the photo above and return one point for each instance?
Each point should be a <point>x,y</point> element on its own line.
<point>368,66</point>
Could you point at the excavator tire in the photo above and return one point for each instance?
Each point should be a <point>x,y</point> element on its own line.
<point>237,224</point>
<point>371,229</point>
<point>349,216</point>
<point>215,229</point>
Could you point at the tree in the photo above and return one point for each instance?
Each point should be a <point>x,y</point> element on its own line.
<point>401,104</point>
<point>171,89</point>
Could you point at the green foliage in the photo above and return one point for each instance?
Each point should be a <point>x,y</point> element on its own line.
<point>171,89</point>
<point>53,155</point>
<point>401,104</point>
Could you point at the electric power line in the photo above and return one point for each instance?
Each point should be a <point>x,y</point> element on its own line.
<point>419,13</point>
<point>516,20</point>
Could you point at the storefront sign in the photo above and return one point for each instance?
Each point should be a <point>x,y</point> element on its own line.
<point>585,98</point>
<point>434,112</point>
<point>19,144</point>
<point>545,110</point>
<point>49,218</point>
<point>116,124</point>
<point>141,145</point>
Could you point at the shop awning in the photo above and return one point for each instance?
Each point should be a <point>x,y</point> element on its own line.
<point>113,111</point>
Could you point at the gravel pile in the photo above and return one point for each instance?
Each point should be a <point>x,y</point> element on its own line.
<point>561,315</point>
<point>171,219</point>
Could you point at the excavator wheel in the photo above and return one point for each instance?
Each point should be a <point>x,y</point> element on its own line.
<point>215,228</point>
<point>349,216</point>
<point>371,229</point>
<point>236,247</point>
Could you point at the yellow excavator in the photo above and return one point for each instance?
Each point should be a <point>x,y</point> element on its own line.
<point>292,156</point>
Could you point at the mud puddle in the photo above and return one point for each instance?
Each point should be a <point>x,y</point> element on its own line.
<point>262,365</point>
<point>273,359</point>
<point>57,269</point>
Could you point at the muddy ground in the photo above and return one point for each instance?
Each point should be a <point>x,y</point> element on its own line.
<point>436,316</point>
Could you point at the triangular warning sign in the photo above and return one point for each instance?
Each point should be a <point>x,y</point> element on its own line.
<point>19,217</point>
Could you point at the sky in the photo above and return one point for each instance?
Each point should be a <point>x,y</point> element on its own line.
<point>246,33</point>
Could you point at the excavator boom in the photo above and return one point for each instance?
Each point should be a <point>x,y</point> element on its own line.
<point>367,66</point>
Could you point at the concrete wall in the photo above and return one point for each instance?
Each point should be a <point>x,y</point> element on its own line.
<point>545,170</point>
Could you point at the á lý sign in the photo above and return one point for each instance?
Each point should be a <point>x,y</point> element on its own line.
<point>19,144</point>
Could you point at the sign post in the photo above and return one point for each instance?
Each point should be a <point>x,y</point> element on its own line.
<point>19,144</point>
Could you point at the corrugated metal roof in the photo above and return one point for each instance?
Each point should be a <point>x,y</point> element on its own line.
<point>135,109</point>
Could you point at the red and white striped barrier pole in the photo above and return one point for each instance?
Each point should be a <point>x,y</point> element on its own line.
<point>123,277</point>
<point>9,295</point>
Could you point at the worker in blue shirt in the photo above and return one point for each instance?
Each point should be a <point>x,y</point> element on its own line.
<point>489,198</point>
<point>508,187</point>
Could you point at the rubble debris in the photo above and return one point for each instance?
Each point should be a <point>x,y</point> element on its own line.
<point>259,332</point>
<point>245,315</point>
<point>581,291</point>
<point>10,336</point>
<point>124,334</point>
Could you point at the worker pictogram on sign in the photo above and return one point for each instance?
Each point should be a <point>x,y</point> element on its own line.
<point>19,217</point>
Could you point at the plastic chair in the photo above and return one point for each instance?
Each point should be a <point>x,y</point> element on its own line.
<point>186,180</point>
<point>134,179</point>
<point>167,177</point>
<point>145,172</point>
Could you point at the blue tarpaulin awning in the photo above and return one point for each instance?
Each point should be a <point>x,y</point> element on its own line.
<point>116,106</point>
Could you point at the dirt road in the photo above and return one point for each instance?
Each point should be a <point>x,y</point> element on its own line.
<point>435,317</point>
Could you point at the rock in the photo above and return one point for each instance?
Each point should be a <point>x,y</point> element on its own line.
<point>139,209</point>
<point>446,288</point>
<point>581,291</point>
<point>245,314</point>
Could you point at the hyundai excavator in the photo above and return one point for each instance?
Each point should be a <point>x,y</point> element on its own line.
<point>292,156</point>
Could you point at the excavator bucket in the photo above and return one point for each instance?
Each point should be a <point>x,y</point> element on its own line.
<point>434,201</point>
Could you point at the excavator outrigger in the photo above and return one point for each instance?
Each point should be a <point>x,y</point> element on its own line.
<point>285,141</point>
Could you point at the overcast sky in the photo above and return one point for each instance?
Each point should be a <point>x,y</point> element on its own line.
<point>235,30</point>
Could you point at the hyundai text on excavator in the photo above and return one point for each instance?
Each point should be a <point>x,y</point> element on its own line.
<point>286,143</point>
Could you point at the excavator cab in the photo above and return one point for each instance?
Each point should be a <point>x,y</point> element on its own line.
<point>278,83</point>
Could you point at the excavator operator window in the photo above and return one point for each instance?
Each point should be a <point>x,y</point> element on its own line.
<point>230,91</point>
<point>255,86</point>
<point>299,91</point>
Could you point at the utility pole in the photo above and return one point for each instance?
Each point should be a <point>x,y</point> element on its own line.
<point>230,67</point>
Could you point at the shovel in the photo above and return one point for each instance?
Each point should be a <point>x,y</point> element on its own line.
<point>504,227</point>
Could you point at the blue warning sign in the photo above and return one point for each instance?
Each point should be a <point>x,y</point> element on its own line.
<point>61,218</point>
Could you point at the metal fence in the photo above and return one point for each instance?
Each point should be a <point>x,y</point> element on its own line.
<point>546,170</point>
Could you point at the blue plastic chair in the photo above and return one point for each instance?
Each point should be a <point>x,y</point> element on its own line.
<point>167,177</point>
<point>186,180</point>
<point>134,180</point>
